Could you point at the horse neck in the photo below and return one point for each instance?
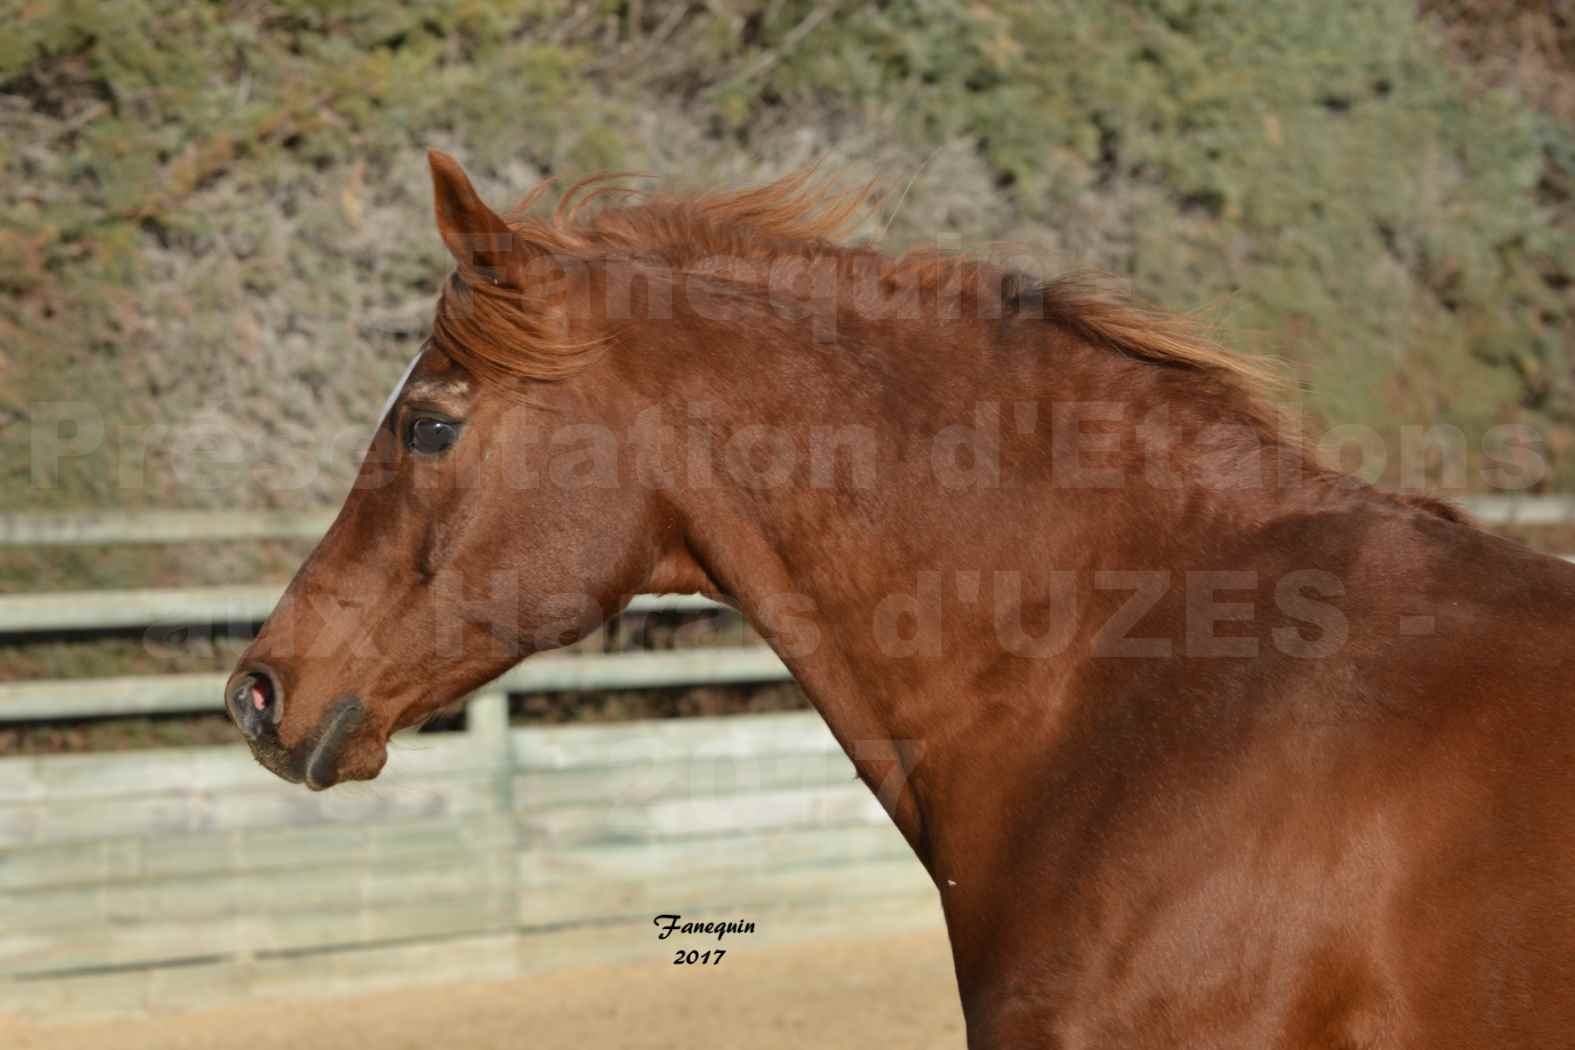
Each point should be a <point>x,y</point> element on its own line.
<point>916,479</point>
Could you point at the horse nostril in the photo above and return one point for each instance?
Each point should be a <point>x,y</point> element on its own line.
<point>253,700</point>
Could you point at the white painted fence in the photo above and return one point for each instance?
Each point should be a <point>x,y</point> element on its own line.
<point>65,528</point>
<point>97,610</point>
<point>173,878</point>
<point>68,528</point>
<point>162,878</point>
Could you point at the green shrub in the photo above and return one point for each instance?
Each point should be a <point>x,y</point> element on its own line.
<point>210,210</point>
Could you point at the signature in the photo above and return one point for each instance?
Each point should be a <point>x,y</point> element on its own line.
<point>667,925</point>
<point>671,924</point>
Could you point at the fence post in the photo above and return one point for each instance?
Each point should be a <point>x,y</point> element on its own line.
<point>487,722</point>
<point>487,730</point>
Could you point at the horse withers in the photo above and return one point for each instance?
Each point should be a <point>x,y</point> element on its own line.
<point>1204,743</point>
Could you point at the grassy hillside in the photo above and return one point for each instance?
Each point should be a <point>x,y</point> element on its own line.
<point>215,239</point>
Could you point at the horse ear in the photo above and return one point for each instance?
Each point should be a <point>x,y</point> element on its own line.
<point>477,236</point>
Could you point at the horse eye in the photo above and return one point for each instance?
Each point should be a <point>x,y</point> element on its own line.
<point>430,436</point>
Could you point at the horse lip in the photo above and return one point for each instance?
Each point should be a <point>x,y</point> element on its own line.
<point>278,760</point>
<point>322,765</point>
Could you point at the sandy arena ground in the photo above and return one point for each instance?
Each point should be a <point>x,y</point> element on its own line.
<point>830,995</point>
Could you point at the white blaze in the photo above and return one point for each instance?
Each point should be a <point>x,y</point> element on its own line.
<point>393,395</point>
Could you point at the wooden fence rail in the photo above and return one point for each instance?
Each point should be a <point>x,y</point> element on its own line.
<point>172,878</point>
<point>76,528</point>
<point>45,611</point>
<point>152,879</point>
<point>72,698</point>
<point>67,528</point>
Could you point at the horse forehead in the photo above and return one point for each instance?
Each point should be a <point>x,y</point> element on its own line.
<point>453,385</point>
<point>431,375</point>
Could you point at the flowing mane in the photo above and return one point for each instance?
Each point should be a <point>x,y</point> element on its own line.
<point>505,333</point>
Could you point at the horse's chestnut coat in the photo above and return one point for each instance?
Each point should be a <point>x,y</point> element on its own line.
<point>1204,744</point>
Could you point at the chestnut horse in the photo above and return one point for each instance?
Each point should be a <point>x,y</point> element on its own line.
<point>1203,743</point>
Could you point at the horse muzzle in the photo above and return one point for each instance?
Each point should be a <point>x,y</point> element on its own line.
<point>323,758</point>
